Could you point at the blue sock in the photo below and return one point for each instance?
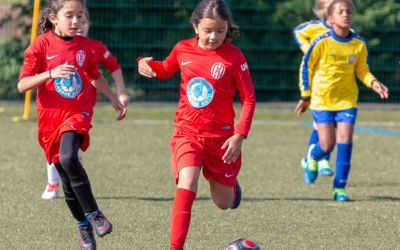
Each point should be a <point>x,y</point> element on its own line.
<point>87,214</point>
<point>312,140</point>
<point>317,152</point>
<point>80,223</point>
<point>343,159</point>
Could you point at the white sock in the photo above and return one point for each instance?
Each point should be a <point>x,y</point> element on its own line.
<point>52,174</point>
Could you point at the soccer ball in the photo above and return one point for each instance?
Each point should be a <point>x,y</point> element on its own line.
<point>242,244</point>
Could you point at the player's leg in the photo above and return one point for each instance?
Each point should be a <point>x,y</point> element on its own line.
<point>324,166</point>
<point>222,177</point>
<point>345,126</point>
<point>182,207</point>
<point>186,160</point>
<point>85,230</point>
<point>324,121</point>
<point>222,195</point>
<point>69,160</point>
<point>312,140</point>
<point>53,181</point>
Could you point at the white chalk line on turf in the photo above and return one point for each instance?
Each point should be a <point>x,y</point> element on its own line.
<point>265,122</point>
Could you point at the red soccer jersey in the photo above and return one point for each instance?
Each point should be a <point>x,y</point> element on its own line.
<point>104,57</point>
<point>209,80</point>
<point>62,104</point>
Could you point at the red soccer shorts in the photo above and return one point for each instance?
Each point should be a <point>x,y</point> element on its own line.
<point>206,153</point>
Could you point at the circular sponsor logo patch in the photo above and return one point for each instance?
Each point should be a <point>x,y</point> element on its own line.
<point>68,87</point>
<point>199,92</point>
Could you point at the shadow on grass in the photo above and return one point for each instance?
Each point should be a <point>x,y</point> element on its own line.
<point>250,199</point>
<point>376,184</point>
<point>385,198</point>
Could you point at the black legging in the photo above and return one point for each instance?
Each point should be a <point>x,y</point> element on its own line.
<point>75,182</point>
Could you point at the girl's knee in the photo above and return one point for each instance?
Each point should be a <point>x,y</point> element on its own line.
<point>67,160</point>
<point>328,147</point>
<point>224,205</point>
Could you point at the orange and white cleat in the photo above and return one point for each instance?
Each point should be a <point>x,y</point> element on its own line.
<point>51,191</point>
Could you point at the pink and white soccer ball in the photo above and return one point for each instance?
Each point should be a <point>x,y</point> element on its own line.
<point>242,244</point>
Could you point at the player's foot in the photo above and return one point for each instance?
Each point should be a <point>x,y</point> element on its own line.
<point>310,167</point>
<point>51,192</point>
<point>324,168</point>
<point>238,196</point>
<point>100,223</point>
<point>86,237</point>
<point>340,194</point>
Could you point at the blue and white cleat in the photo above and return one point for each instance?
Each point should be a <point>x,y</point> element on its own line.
<point>340,194</point>
<point>324,168</point>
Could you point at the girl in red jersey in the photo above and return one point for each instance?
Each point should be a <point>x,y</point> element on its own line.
<point>104,57</point>
<point>59,64</point>
<point>212,69</point>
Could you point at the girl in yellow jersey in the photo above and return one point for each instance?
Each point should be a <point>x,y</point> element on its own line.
<point>304,35</point>
<point>328,86</point>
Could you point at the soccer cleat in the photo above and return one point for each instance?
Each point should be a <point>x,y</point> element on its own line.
<point>86,237</point>
<point>310,167</point>
<point>238,196</point>
<point>303,163</point>
<point>51,192</point>
<point>324,168</point>
<point>312,164</point>
<point>100,223</point>
<point>339,194</point>
<point>310,176</point>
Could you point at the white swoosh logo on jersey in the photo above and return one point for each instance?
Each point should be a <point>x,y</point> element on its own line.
<point>228,175</point>
<point>184,63</point>
<point>51,57</point>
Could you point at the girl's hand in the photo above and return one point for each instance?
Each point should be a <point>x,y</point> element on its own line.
<point>233,146</point>
<point>144,68</point>
<point>121,109</point>
<point>380,89</point>
<point>301,107</point>
<point>63,71</point>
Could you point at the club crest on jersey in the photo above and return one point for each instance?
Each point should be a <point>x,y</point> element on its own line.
<point>218,70</point>
<point>80,57</point>
<point>351,59</point>
<point>199,92</point>
<point>68,87</point>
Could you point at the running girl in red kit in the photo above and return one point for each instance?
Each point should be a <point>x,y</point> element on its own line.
<point>104,57</point>
<point>205,139</point>
<point>59,64</point>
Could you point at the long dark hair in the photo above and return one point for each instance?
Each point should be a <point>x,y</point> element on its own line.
<point>213,9</point>
<point>51,9</point>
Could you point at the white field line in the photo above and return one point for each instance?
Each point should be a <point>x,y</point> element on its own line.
<point>267,122</point>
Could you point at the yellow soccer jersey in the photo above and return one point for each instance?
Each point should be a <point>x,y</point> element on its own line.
<point>330,67</point>
<point>306,33</point>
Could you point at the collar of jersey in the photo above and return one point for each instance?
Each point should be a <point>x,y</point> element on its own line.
<point>339,39</point>
<point>323,21</point>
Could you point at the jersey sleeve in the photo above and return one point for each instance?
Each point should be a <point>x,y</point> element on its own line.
<point>307,68</point>
<point>168,67</point>
<point>33,60</point>
<point>302,37</point>
<point>244,84</point>
<point>362,69</point>
<point>107,59</point>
